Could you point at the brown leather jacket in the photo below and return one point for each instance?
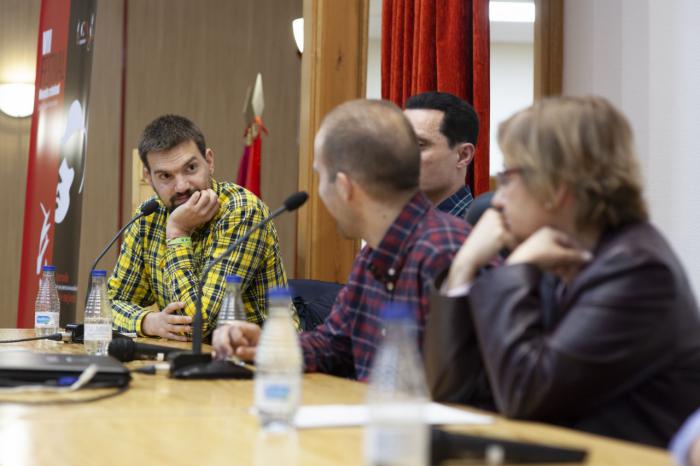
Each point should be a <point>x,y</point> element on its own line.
<point>617,353</point>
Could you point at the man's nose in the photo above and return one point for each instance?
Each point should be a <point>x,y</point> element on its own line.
<point>182,184</point>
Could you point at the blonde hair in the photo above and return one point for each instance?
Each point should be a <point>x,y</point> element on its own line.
<point>585,144</point>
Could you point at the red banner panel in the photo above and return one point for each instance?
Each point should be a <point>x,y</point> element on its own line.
<point>56,153</point>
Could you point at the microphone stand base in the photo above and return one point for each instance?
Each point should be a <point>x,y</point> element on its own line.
<point>202,366</point>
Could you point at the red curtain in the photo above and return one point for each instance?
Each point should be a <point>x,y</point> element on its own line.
<point>440,45</point>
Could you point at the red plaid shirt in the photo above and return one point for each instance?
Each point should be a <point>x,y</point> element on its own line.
<point>419,244</point>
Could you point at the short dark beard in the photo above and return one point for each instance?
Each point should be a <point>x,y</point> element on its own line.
<point>171,201</point>
<point>170,205</point>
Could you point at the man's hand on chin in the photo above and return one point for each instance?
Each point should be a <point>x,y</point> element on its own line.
<point>201,207</point>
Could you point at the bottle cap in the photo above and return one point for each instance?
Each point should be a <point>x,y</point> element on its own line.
<point>48,268</point>
<point>99,273</point>
<point>233,279</point>
<point>397,311</point>
<point>278,293</point>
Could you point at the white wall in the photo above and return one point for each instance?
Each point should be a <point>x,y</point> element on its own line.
<point>644,56</point>
<point>511,89</point>
<point>374,68</point>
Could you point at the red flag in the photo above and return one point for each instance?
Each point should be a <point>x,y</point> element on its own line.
<point>249,167</point>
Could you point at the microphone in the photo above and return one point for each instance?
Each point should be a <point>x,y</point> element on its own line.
<point>292,203</point>
<point>146,209</point>
<point>126,350</point>
<point>195,364</point>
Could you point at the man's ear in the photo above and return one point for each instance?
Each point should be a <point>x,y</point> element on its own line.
<point>344,185</point>
<point>147,175</point>
<point>465,151</point>
<point>209,157</point>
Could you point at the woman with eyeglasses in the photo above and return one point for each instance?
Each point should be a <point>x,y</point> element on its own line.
<point>590,322</point>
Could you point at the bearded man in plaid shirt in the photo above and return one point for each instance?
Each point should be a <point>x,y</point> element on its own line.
<point>368,162</point>
<point>163,254</point>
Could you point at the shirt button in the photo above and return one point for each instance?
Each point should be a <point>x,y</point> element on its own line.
<point>383,332</point>
<point>390,286</point>
<point>392,272</point>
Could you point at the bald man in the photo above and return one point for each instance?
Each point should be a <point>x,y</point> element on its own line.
<point>368,164</point>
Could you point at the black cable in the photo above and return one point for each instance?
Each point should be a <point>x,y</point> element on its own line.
<point>53,336</point>
<point>101,397</point>
<point>150,370</point>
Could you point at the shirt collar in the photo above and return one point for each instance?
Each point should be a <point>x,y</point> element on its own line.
<point>386,260</point>
<point>457,203</point>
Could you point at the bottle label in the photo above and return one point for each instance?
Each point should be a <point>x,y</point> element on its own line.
<point>98,332</point>
<point>277,393</point>
<point>45,319</point>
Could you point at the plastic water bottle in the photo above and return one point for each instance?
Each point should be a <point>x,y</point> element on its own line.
<point>232,307</point>
<point>98,316</point>
<point>47,307</point>
<point>278,366</point>
<point>396,432</point>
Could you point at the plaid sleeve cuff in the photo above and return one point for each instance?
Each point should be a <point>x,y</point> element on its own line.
<point>127,317</point>
<point>139,323</point>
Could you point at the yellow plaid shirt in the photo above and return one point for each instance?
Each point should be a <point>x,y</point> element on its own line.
<point>149,270</point>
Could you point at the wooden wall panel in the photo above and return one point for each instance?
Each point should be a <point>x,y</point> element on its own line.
<point>197,59</point>
<point>19,30</point>
<point>101,190</point>
<point>334,71</point>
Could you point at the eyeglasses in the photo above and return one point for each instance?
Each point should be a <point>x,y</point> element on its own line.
<point>504,177</point>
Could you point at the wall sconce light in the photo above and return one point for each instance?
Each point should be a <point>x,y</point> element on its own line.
<point>298,30</point>
<point>17,99</point>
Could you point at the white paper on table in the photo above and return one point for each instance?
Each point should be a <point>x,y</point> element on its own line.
<point>316,416</point>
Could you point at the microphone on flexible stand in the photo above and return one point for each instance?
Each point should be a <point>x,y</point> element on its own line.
<point>195,365</point>
<point>76,330</point>
<point>146,209</point>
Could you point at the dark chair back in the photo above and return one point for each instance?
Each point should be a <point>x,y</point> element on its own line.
<point>313,300</point>
<point>478,207</point>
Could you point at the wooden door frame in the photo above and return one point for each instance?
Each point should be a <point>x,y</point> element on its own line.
<point>548,48</point>
<point>333,70</point>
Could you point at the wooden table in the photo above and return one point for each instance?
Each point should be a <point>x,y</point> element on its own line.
<point>172,422</point>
